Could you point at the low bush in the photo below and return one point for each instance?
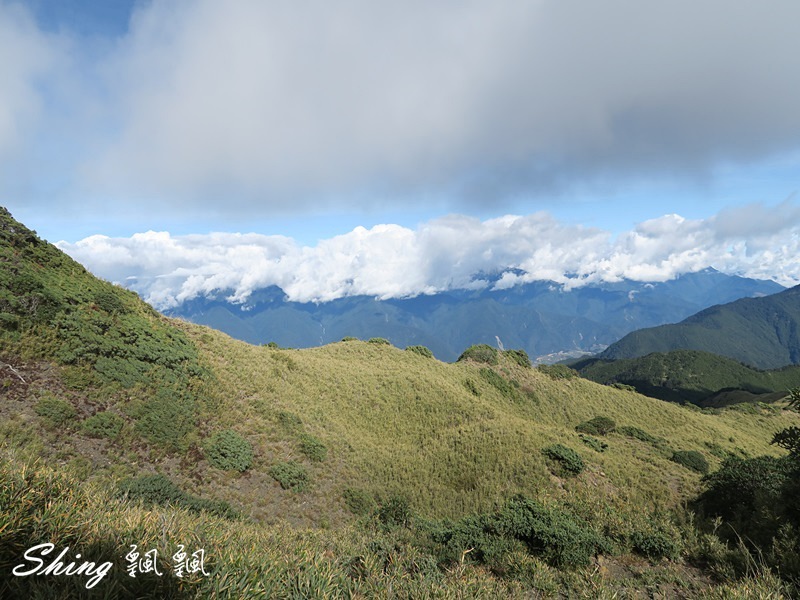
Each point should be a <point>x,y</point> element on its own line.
<point>568,461</point>
<point>421,350</point>
<point>594,443</point>
<point>472,387</point>
<point>103,425</point>
<point>313,448</point>
<point>160,490</point>
<point>641,435</point>
<point>395,512</point>
<point>229,451</point>
<point>349,338</point>
<point>691,459</point>
<point>359,502</point>
<point>518,356</point>
<point>498,382</point>
<point>654,544</point>
<point>482,353</point>
<point>55,411</point>
<point>290,475</point>
<point>557,371</point>
<point>379,340</point>
<point>555,535</point>
<point>597,426</point>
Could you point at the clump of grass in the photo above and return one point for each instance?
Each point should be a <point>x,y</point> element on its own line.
<point>380,341</point>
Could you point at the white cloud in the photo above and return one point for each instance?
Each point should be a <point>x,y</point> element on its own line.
<point>389,261</point>
<point>26,57</point>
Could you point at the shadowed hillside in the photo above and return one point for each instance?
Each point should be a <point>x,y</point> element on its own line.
<point>761,332</point>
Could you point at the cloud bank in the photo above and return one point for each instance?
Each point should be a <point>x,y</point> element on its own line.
<point>454,252</point>
<point>268,106</point>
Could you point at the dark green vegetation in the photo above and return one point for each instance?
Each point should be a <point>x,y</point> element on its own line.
<point>229,451</point>
<point>353,470</point>
<point>761,332</point>
<point>692,376</point>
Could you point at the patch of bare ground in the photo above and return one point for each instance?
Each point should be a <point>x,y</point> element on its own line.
<point>633,577</point>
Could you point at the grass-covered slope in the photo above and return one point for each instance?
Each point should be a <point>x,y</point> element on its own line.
<point>691,376</point>
<point>470,478</point>
<point>762,332</point>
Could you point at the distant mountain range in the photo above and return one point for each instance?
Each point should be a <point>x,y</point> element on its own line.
<point>761,332</point>
<point>542,318</point>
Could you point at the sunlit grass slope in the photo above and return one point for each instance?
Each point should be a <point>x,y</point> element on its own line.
<point>447,436</point>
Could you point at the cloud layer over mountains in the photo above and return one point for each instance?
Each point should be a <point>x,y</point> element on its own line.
<point>389,261</point>
<point>283,107</point>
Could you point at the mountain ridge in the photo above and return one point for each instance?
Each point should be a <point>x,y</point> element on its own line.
<point>762,332</point>
<point>539,317</point>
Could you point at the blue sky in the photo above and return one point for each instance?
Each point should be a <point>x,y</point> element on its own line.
<point>190,117</point>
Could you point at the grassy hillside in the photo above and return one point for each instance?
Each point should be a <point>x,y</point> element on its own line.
<point>692,376</point>
<point>356,469</point>
<point>762,332</point>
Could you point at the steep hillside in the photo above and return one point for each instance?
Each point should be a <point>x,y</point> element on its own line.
<point>691,376</point>
<point>542,318</point>
<point>354,469</point>
<point>762,332</point>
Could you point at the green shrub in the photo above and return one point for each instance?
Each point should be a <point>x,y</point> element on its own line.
<point>557,371</point>
<point>569,461</point>
<point>109,301</point>
<point>481,353</point>
<point>740,487</point>
<point>167,419</point>
<point>691,459</point>
<point>379,340</point>
<point>654,544</point>
<point>472,387</point>
<point>594,443</point>
<point>421,350</point>
<point>641,435</point>
<point>349,338</point>
<point>359,502</point>
<point>395,512</point>
<point>557,536</point>
<point>291,475</point>
<point>57,412</point>
<point>518,356</point>
<point>497,381</point>
<point>313,448</point>
<point>289,421</point>
<point>103,425</point>
<point>229,451</point>
<point>623,386</point>
<point>160,490</point>
<point>597,426</point>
